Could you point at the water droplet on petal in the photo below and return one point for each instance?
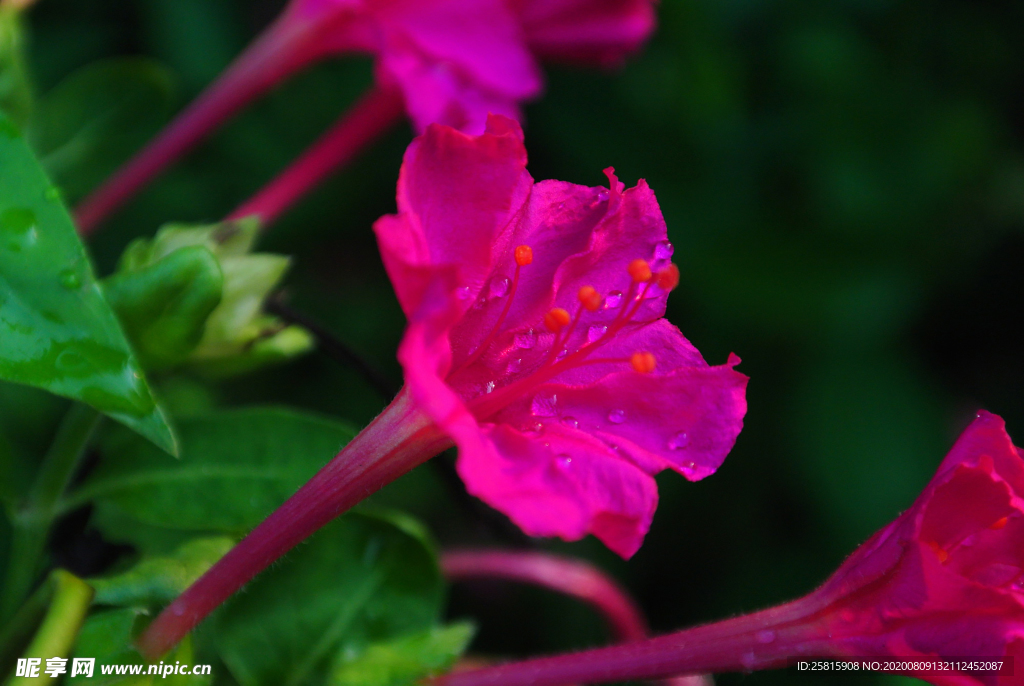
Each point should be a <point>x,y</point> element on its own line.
<point>663,251</point>
<point>571,422</point>
<point>595,332</point>
<point>562,353</point>
<point>489,387</point>
<point>534,429</point>
<point>526,339</point>
<point>499,287</point>
<point>748,660</point>
<point>617,416</point>
<point>614,299</point>
<point>514,365</point>
<point>678,441</point>
<point>462,293</point>
<point>766,636</point>
<point>564,461</point>
<point>543,405</point>
<point>602,195</point>
<point>69,279</point>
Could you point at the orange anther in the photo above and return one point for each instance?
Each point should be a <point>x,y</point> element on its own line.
<point>1000,523</point>
<point>643,362</point>
<point>940,553</point>
<point>590,298</point>
<point>668,278</point>
<point>524,255</point>
<point>640,270</point>
<point>556,319</point>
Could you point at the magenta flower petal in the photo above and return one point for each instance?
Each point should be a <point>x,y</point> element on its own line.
<point>602,31</point>
<point>554,423</point>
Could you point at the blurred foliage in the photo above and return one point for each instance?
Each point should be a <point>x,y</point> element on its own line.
<point>844,186</point>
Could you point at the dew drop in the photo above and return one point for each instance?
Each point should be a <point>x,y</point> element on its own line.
<point>535,429</point>
<point>564,461</point>
<point>462,293</point>
<point>489,387</point>
<point>562,353</point>
<point>617,416</point>
<point>571,422</point>
<point>602,195</point>
<point>689,467</point>
<point>69,279</point>
<point>514,366</point>
<point>526,340</point>
<point>663,251</point>
<point>561,205</point>
<point>543,405</point>
<point>678,441</point>
<point>499,287</point>
<point>613,299</point>
<point>595,332</point>
<point>178,610</point>
<point>748,660</point>
<point>52,194</point>
<point>765,637</point>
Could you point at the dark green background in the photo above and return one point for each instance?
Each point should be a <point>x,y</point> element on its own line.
<point>844,186</point>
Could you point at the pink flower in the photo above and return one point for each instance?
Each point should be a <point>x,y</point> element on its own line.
<point>941,585</point>
<point>455,61</point>
<point>536,339</point>
<point>947,577</point>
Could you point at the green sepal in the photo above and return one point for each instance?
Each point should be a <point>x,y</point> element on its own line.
<point>402,661</point>
<point>15,83</point>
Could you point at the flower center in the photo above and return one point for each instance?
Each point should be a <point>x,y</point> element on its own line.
<point>560,322</point>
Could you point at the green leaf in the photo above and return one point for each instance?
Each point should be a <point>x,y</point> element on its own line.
<point>363,578</point>
<point>90,122</point>
<point>56,330</point>
<point>404,660</point>
<point>15,85</point>
<point>164,306</point>
<point>107,636</point>
<point>235,468</point>
<point>159,580</point>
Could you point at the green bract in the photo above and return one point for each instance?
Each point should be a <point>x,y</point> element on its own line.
<point>58,331</point>
<point>194,295</point>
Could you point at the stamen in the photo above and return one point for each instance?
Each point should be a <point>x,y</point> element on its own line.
<point>643,362</point>
<point>524,255</point>
<point>556,320</point>
<point>590,298</point>
<point>639,270</point>
<point>668,278</point>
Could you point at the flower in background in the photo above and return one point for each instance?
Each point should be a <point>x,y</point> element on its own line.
<point>456,61</point>
<point>945,580</point>
<point>536,339</point>
<point>445,61</point>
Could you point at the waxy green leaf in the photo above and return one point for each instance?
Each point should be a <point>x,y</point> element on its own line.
<point>159,580</point>
<point>404,660</point>
<point>235,468</point>
<point>362,579</point>
<point>57,331</point>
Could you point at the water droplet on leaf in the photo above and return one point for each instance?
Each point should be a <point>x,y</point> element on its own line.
<point>69,279</point>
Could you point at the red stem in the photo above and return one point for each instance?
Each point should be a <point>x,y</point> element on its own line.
<point>763,640</point>
<point>400,438</point>
<point>563,575</point>
<point>282,49</point>
<point>374,114</point>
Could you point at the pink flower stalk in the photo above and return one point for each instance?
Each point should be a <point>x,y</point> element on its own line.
<point>570,577</point>
<point>943,581</point>
<point>535,343</point>
<point>448,61</point>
